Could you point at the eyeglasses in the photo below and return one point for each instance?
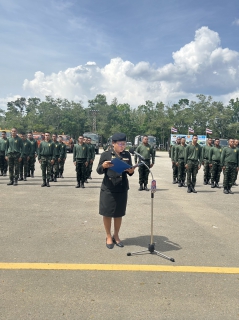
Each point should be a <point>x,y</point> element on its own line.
<point>121,144</point>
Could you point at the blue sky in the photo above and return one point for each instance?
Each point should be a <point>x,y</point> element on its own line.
<point>52,37</point>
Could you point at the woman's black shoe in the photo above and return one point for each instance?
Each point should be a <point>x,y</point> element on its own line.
<point>119,244</point>
<point>109,246</point>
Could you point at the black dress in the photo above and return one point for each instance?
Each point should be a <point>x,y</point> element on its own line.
<point>114,187</point>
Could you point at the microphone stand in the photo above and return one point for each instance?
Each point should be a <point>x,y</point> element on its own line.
<point>151,246</point>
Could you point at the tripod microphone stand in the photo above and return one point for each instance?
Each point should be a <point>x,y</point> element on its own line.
<point>151,246</point>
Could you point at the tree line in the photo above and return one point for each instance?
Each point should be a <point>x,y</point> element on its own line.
<point>62,116</point>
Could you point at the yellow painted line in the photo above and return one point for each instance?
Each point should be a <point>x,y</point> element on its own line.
<point>116,267</point>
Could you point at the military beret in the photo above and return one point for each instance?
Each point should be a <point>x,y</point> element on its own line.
<point>119,137</point>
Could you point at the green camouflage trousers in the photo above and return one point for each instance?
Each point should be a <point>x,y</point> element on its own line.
<point>192,171</point>
<point>207,170</point>
<point>89,170</point>
<point>229,175</point>
<point>46,167</point>
<point>144,172</point>
<point>3,163</point>
<point>175,171</point>
<point>13,164</point>
<point>216,171</point>
<point>80,170</point>
<point>55,168</point>
<point>61,166</point>
<point>181,170</point>
<point>23,167</point>
<point>31,164</point>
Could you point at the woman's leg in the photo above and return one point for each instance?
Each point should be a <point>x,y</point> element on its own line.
<point>117,224</point>
<point>107,225</point>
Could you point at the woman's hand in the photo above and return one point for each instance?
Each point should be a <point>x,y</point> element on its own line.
<point>130,170</point>
<point>107,164</point>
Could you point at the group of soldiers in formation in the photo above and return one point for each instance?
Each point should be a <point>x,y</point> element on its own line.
<point>187,160</point>
<point>19,152</point>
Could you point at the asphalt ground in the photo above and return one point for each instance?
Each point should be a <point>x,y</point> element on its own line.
<point>54,263</point>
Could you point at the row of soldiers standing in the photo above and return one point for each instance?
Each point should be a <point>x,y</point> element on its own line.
<point>187,159</point>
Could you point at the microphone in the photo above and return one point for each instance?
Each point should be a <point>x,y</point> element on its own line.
<point>131,150</point>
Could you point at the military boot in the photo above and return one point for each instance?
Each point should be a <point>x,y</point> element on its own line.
<point>230,191</point>
<point>60,175</point>
<point>28,174</point>
<point>15,183</point>
<point>21,178</point>
<point>82,185</point>
<point>141,187</point>
<point>55,180</point>
<point>183,184</point>
<point>205,182</point>
<point>32,174</point>
<point>225,191</point>
<point>78,184</point>
<point>193,189</point>
<point>44,183</point>
<point>25,178</point>
<point>4,173</point>
<point>47,183</point>
<point>174,180</point>
<point>217,185</point>
<point>180,184</point>
<point>213,185</point>
<point>10,183</point>
<point>51,179</point>
<point>189,189</point>
<point>145,187</point>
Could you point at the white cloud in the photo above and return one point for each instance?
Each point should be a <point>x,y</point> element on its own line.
<point>201,66</point>
<point>236,22</point>
<point>4,101</point>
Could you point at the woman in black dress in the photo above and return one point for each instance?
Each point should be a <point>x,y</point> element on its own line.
<point>114,188</point>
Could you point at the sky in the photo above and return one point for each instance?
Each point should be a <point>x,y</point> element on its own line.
<point>134,50</point>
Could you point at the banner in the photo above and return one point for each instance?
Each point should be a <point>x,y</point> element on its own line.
<point>201,139</point>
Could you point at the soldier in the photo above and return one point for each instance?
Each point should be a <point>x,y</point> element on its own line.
<point>236,145</point>
<point>33,155</point>
<point>174,167</point>
<point>13,153</point>
<point>63,155</point>
<point>205,161</point>
<point>215,164</point>
<point>26,150</point>
<point>46,158</point>
<point>147,152</point>
<point>179,161</point>
<point>230,165</point>
<point>3,161</point>
<point>80,160</point>
<point>55,166</point>
<point>192,161</point>
<point>91,157</point>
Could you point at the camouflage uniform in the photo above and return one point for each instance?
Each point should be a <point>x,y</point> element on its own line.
<point>205,162</point>
<point>23,168</point>
<point>147,152</point>
<point>45,155</point>
<point>14,153</point>
<point>63,155</point>
<point>179,158</point>
<point>32,157</point>
<point>92,158</point>
<point>229,160</point>
<point>80,156</point>
<point>214,160</point>
<point>193,160</point>
<point>174,167</point>
<point>3,161</point>
<point>55,166</point>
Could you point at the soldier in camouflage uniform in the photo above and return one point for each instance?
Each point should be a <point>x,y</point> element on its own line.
<point>63,155</point>
<point>174,167</point>
<point>3,161</point>
<point>13,153</point>
<point>236,145</point>
<point>230,165</point>
<point>26,150</point>
<point>215,163</point>
<point>147,152</point>
<point>55,166</point>
<point>46,158</point>
<point>91,157</point>
<point>80,160</point>
<point>32,156</point>
<point>205,161</point>
<point>179,161</point>
<point>193,158</point>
